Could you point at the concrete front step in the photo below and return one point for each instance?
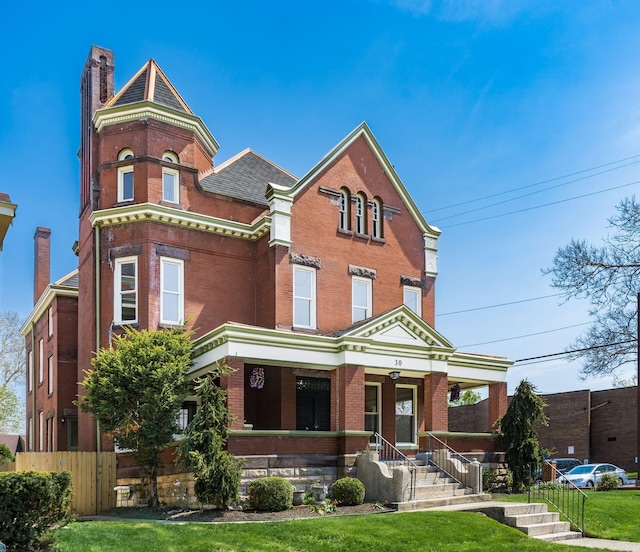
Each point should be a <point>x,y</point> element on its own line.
<point>426,493</point>
<point>438,502</point>
<point>532,519</point>
<point>555,537</point>
<point>538,529</point>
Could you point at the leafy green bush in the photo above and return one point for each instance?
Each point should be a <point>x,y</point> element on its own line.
<point>608,482</point>
<point>38,504</point>
<point>348,491</point>
<point>271,494</point>
<point>5,454</point>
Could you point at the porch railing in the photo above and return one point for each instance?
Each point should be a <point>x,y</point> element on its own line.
<point>451,462</point>
<point>389,454</point>
<point>564,496</point>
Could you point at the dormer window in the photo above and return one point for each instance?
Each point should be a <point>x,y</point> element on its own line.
<point>125,177</point>
<point>170,179</point>
<point>361,214</point>
<point>344,201</point>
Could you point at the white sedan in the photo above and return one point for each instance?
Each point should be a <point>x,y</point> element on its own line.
<point>588,475</point>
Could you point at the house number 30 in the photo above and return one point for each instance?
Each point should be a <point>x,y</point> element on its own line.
<point>397,362</point>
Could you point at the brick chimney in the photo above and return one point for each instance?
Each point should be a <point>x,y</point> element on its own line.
<point>42,262</point>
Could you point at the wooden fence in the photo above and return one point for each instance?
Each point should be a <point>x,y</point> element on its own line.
<point>93,473</point>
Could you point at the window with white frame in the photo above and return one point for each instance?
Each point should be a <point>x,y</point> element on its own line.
<point>372,401</point>
<point>360,298</point>
<point>344,206</point>
<point>125,177</point>
<point>376,219</point>
<point>413,299</point>
<point>170,179</point>
<point>41,431</point>
<point>304,296</point>
<point>171,290</point>
<point>40,361</point>
<point>50,320</point>
<point>31,436</point>
<point>361,214</point>
<point>30,361</point>
<point>405,414</point>
<point>50,376</point>
<point>125,286</point>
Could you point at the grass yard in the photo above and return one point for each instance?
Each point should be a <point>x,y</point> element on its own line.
<point>422,531</point>
<point>608,515</point>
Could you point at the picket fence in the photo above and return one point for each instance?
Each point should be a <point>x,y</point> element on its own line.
<point>93,474</point>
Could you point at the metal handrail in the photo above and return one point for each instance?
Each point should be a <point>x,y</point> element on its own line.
<point>389,453</point>
<point>565,497</point>
<point>464,476</point>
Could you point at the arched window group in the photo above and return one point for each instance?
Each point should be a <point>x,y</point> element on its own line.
<point>361,213</point>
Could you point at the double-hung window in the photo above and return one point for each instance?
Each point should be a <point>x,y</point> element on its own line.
<point>376,219</point>
<point>413,299</point>
<point>405,414</point>
<point>304,296</point>
<point>125,309</point>
<point>360,298</point>
<point>344,206</point>
<point>170,179</point>
<point>50,320</point>
<point>372,419</point>
<point>361,215</point>
<point>171,291</point>
<point>50,376</point>
<point>125,177</point>
<point>40,361</point>
<point>31,371</point>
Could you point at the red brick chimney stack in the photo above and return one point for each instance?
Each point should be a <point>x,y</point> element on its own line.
<point>42,260</point>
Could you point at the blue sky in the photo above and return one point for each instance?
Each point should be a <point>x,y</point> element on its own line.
<point>468,99</point>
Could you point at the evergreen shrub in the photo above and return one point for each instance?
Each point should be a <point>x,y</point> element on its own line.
<point>348,491</point>
<point>270,494</point>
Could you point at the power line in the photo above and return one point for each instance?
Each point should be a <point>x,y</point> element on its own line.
<point>544,205</point>
<point>527,335</point>
<point>531,185</point>
<point>565,353</point>
<point>532,193</point>
<point>500,305</point>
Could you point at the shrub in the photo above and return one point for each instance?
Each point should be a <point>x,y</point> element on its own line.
<point>39,504</point>
<point>348,491</point>
<point>608,482</point>
<point>271,494</point>
<point>5,454</point>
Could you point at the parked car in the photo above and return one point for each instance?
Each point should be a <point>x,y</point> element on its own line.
<point>587,475</point>
<point>563,465</point>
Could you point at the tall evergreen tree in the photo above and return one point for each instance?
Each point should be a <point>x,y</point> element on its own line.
<point>518,436</point>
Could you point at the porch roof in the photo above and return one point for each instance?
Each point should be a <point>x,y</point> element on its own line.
<point>395,340</point>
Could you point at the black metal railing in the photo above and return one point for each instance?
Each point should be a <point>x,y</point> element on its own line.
<point>451,462</point>
<point>563,495</point>
<point>389,454</point>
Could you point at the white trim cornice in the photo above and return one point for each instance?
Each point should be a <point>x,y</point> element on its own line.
<point>150,212</point>
<point>44,303</point>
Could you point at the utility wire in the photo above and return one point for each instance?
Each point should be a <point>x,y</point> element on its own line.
<point>565,353</point>
<point>527,335</point>
<point>532,193</point>
<point>500,305</point>
<point>531,185</point>
<point>544,205</point>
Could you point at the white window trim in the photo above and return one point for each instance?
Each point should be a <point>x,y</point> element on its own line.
<point>40,361</point>
<point>312,299</point>
<point>170,156</point>
<point>378,387</point>
<point>41,424</point>
<point>414,429</point>
<point>117,289</point>
<point>180,293</point>
<point>361,212</point>
<point>31,372</point>
<point>343,207</point>
<point>31,436</point>
<point>418,292</point>
<point>50,375</point>
<point>50,320</point>
<point>176,185</point>
<point>369,307</point>
<point>121,172</point>
<point>376,219</point>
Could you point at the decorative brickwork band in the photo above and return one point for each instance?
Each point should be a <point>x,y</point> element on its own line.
<point>305,260</point>
<point>362,272</point>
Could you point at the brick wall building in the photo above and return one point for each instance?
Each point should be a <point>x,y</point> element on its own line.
<point>318,290</point>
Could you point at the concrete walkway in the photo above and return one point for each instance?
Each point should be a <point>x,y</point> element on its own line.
<point>604,544</point>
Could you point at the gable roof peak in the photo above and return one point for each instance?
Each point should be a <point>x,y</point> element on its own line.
<point>150,84</point>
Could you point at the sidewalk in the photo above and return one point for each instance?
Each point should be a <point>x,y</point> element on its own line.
<point>604,544</point>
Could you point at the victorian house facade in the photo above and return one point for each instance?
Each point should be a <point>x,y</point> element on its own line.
<point>319,291</point>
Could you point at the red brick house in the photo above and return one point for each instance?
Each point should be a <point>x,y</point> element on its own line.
<point>318,290</point>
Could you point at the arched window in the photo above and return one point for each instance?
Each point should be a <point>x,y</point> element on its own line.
<point>376,218</point>
<point>344,205</point>
<point>170,179</point>
<point>125,176</point>
<point>361,214</point>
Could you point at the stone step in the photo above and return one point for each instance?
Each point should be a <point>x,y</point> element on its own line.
<point>538,529</point>
<point>532,519</point>
<point>520,509</point>
<point>425,504</point>
<point>426,494</point>
<point>555,537</point>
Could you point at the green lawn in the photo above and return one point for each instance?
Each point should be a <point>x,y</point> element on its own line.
<point>608,515</point>
<point>437,531</point>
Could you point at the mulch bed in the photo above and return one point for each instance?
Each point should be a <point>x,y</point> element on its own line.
<point>166,513</point>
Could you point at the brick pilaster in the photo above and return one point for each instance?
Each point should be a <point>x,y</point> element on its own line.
<point>233,384</point>
<point>436,406</point>
<point>347,397</point>
<point>497,402</point>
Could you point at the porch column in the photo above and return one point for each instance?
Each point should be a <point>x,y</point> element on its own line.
<point>347,398</point>
<point>233,384</point>
<point>497,402</point>
<point>436,405</point>
<point>288,399</point>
